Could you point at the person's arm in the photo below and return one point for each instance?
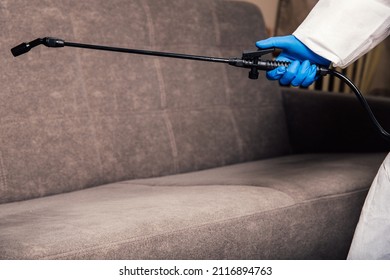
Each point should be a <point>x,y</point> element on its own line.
<point>342,31</point>
<point>335,31</point>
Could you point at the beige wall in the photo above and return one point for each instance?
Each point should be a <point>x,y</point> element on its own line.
<point>269,9</point>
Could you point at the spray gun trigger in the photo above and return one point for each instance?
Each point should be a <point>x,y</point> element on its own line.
<point>253,57</point>
<point>256,54</point>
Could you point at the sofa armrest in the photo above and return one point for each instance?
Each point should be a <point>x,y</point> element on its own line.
<point>333,122</point>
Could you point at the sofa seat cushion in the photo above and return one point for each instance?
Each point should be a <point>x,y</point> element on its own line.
<point>275,208</point>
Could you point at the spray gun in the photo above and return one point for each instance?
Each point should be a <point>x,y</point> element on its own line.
<point>249,59</point>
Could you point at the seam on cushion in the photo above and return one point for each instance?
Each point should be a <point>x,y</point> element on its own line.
<point>227,88</point>
<point>149,22</point>
<point>217,28</point>
<point>161,84</point>
<point>243,185</point>
<point>152,236</point>
<point>3,174</point>
<point>240,142</point>
<point>162,89</point>
<point>217,31</point>
<point>365,189</point>
<point>89,114</point>
<point>157,66</point>
<point>172,140</point>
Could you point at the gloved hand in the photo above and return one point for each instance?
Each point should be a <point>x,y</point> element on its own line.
<point>301,71</point>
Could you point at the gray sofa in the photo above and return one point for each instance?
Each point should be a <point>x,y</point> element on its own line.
<point>115,156</point>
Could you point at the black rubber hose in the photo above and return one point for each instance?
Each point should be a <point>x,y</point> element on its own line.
<point>363,102</point>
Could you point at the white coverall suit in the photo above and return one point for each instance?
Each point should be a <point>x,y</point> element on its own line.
<point>342,31</point>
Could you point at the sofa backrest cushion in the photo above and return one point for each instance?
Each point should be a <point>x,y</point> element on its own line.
<point>74,118</point>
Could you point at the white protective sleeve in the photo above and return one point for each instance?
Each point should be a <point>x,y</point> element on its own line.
<point>344,30</point>
<point>372,235</point>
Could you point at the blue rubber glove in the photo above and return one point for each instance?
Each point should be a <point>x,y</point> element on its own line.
<point>302,70</point>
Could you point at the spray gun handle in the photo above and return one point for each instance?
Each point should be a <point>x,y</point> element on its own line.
<point>252,60</point>
<point>268,65</point>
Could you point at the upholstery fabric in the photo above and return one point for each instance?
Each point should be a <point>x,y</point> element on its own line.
<point>72,118</point>
<point>323,122</point>
<point>281,208</point>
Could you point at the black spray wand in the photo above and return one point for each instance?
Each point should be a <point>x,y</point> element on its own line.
<point>249,59</point>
